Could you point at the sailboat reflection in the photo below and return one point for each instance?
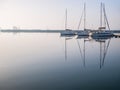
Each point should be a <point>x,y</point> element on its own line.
<point>83,52</point>
<point>104,44</point>
<point>82,37</point>
<point>66,38</point>
<point>101,39</point>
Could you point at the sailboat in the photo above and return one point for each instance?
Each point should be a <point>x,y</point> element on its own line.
<point>67,32</point>
<point>86,31</point>
<point>101,33</point>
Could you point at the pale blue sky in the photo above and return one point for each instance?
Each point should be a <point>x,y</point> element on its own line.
<point>50,14</point>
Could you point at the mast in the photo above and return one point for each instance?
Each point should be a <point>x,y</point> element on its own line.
<point>84,16</point>
<point>101,15</point>
<point>66,19</point>
<point>102,12</point>
<point>106,20</point>
<point>81,19</point>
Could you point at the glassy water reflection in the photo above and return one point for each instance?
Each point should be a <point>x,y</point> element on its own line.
<point>35,61</point>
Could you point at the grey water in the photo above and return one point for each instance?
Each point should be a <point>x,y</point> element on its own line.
<point>47,61</point>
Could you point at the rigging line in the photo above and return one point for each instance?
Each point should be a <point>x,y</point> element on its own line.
<point>80,20</point>
<point>106,16</point>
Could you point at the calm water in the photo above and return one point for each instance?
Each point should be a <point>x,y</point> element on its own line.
<point>35,61</point>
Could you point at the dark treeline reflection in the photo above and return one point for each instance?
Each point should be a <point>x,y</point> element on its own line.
<point>42,61</point>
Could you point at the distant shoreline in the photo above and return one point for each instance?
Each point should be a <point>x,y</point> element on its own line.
<point>43,31</point>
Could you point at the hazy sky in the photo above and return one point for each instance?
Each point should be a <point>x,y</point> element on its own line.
<point>50,14</point>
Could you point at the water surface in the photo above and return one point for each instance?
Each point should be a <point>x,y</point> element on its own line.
<point>46,61</point>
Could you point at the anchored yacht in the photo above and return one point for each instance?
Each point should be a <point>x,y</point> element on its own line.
<point>85,32</point>
<point>67,31</point>
<point>101,32</point>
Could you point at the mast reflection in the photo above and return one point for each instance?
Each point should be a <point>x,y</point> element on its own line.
<point>104,45</point>
<point>83,51</point>
<point>66,37</point>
